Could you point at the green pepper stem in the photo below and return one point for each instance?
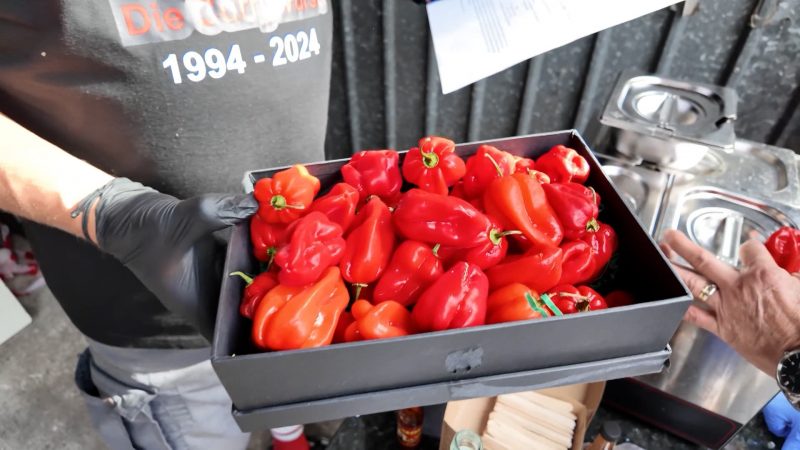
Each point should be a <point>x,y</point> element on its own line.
<point>278,202</point>
<point>435,250</point>
<point>495,164</point>
<point>429,159</point>
<point>247,278</point>
<point>271,252</point>
<point>495,235</point>
<point>358,287</point>
<point>592,225</point>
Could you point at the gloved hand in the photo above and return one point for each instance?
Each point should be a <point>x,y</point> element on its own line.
<point>783,420</point>
<point>168,244</point>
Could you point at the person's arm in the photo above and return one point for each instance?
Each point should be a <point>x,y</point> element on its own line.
<point>41,182</point>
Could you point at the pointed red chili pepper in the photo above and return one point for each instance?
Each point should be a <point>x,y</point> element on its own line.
<point>255,290</point>
<point>287,195</point>
<point>414,266</point>
<point>456,300</point>
<point>315,244</point>
<point>339,205</point>
<point>563,164</point>
<point>433,166</point>
<point>486,165</point>
<point>570,299</point>
<point>266,238</point>
<point>539,269</point>
<point>375,172</point>
<point>486,254</point>
<point>439,219</point>
<point>576,207</point>
<point>369,245</point>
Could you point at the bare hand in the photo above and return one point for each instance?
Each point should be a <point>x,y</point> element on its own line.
<point>755,310</point>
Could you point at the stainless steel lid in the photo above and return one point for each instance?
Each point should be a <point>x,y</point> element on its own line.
<point>664,108</point>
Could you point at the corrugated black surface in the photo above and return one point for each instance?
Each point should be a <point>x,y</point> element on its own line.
<point>386,89</point>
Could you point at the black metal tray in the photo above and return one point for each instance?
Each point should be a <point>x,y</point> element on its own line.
<point>267,380</point>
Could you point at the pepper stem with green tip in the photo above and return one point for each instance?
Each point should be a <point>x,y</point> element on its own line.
<point>429,159</point>
<point>435,250</point>
<point>358,287</point>
<point>495,235</point>
<point>278,202</point>
<point>494,163</point>
<point>247,278</point>
<point>592,225</point>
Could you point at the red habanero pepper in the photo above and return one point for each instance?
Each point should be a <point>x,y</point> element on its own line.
<point>287,195</point>
<point>255,289</point>
<point>487,164</point>
<point>579,265</point>
<point>523,165</point>
<point>604,243</point>
<point>456,300</point>
<point>374,172</point>
<point>519,203</point>
<point>315,244</point>
<point>414,266</point>
<point>784,246</point>
<point>433,166</point>
<point>563,164</point>
<point>539,269</point>
<point>384,320</point>
<point>339,205</point>
<point>439,219</point>
<point>485,255</point>
<point>369,245</point>
<point>618,298</point>
<point>570,299</point>
<point>514,302</point>
<point>300,317</point>
<point>267,238</point>
<point>575,206</point>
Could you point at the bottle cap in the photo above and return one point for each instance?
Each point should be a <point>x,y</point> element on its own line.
<point>611,431</point>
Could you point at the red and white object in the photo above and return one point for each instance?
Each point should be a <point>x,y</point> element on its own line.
<point>289,438</point>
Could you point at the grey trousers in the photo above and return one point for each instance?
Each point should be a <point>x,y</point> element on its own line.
<point>156,399</point>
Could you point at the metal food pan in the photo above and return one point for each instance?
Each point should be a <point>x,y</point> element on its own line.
<point>257,380</point>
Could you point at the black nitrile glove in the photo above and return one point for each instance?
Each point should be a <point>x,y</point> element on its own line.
<point>168,244</point>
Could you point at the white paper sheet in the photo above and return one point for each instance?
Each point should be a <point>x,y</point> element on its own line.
<point>474,39</point>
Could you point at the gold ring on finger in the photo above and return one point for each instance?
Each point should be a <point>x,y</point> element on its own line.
<point>709,290</point>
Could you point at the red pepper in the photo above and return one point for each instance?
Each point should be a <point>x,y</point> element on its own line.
<point>255,290</point>
<point>784,246</point>
<point>266,238</point>
<point>579,265</point>
<point>339,205</point>
<point>458,192</point>
<point>300,317</point>
<point>287,195</point>
<point>523,165</point>
<point>439,219</point>
<point>619,298</point>
<point>456,300</point>
<point>519,203</point>
<point>433,166</point>
<point>340,334</point>
<point>487,164</point>
<point>541,177</point>
<point>563,164</point>
<point>539,269</point>
<point>414,266</point>
<point>604,243</point>
<point>316,243</point>
<point>369,245</point>
<point>570,299</point>
<point>385,320</point>
<point>575,205</point>
<point>374,172</point>
<point>485,255</point>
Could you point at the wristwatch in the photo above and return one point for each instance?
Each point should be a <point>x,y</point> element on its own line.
<point>788,376</point>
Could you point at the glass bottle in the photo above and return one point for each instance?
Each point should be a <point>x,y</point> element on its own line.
<point>466,440</point>
<point>608,437</point>
<point>409,427</point>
